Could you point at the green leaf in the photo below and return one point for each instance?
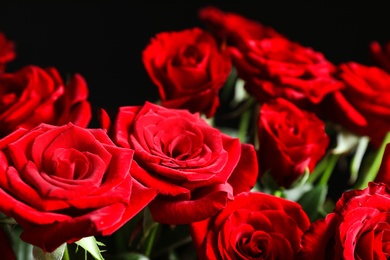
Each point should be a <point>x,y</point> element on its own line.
<point>346,141</point>
<point>22,249</point>
<point>92,246</point>
<point>57,254</point>
<point>313,200</point>
<point>358,158</point>
<point>296,193</point>
<point>240,92</point>
<point>233,132</point>
<point>8,220</point>
<point>301,180</point>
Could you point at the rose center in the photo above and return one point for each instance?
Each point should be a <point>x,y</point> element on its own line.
<point>255,246</point>
<point>182,147</point>
<point>70,164</point>
<point>190,56</point>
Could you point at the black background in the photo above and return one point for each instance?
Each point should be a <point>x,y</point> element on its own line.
<point>104,42</point>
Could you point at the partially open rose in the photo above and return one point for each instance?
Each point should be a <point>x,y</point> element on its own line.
<point>34,95</point>
<point>188,68</point>
<point>194,166</point>
<point>253,226</point>
<point>63,183</point>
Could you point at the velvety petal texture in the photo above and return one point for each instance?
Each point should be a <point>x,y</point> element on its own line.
<point>188,68</point>
<point>33,95</point>
<point>362,104</point>
<point>272,65</point>
<point>7,51</point>
<point>63,183</point>
<point>290,140</point>
<point>358,227</point>
<point>253,226</point>
<point>234,29</point>
<point>278,67</point>
<point>194,166</point>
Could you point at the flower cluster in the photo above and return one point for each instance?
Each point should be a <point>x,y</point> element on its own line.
<point>236,160</point>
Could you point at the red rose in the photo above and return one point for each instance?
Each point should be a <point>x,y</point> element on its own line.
<point>381,55</point>
<point>188,69</point>
<point>33,95</point>
<point>5,246</point>
<point>63,183</point>
<point>290,140</point>
<point>358,228</point>
<point>253,226</point>
<point>233,28</point>
<point>7,51</point>
<point>278,67</point>
<point>362,106</point>
<point>194,166</point>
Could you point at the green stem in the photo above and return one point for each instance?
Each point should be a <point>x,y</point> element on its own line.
<point>358,158</point>
<point>245,121</point>
<point>373,170</point>
<point>151,239</point>
<point>318,170</point>
<point>333,158</point>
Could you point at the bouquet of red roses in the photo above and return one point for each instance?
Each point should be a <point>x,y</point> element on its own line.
<point>258,148</point>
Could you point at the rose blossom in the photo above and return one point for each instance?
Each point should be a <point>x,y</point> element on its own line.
<point>278,67</point>
<point>362,105</point>
<point>194,166</point>
<point>188,68</point>
<point>234,29</point>
<point>358,228</point>
<point>381,55</point>
<point>34,95</point>
<point>7,51</point>
<point>290,140</point>
<point>253,226</point>
<point>63,183</point>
